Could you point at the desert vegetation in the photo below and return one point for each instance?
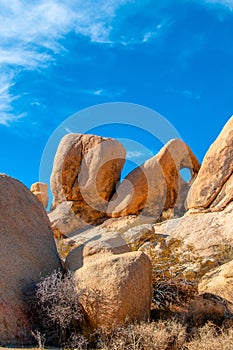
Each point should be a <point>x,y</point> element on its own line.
<point>60,321</point>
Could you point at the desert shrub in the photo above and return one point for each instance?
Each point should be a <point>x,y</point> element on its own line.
<point>55,308</point>
<point>166,335</point>
<point>145,336</point>
<point>177,270</point>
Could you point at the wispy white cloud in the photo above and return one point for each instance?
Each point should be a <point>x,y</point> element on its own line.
<point>31,36</point>
<point>227,3</point>
<point>34,26</point>
<point>187,93</point>
<point>102,92</point>
<point>158,31</point>
<point>191,94</point>
<point>6,98</point>
<point>147,36</point>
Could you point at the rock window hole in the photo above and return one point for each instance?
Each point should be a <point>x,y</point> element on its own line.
<point>186,174</point>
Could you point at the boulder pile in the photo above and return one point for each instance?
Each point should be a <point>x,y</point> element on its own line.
<point>99,220</point>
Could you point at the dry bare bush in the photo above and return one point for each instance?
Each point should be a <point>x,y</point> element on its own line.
<point>55,308</point>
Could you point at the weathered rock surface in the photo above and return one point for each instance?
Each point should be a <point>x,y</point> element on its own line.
<point>28,252</point>
<point>207,233</point>
<point>213,187</point>
<point>64,221</point>
<point>40,190</point>
<point>119,289</point>
<point>85,172</point>
<point>207,307</point>
<point>156,185</point>
<point>219,281</point>
<point>95,244</point>
<point>136,234</point>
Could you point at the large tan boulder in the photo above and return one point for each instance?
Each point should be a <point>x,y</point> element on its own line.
<point>156,185</point>
<point>119,289</point>
<point>40,190</point>
<point>219,281</point>
<point>213,187</point>
<point>85,172</point>
<point>27,252</point>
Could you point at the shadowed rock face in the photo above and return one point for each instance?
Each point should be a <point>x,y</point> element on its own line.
<point>156,185</point>
<point>213,187</point>
<point>28,252</point>
<point>85,172</point>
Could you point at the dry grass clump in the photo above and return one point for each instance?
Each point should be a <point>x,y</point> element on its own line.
<point>161,335</point>
<point>210,338</point>
<point>166,335</point>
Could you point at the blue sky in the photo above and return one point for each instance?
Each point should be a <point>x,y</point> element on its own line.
<point>59,57</point>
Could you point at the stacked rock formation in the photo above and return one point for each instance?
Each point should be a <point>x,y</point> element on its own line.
<point>86,172</point>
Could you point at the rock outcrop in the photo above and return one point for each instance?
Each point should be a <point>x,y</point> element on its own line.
<point>207,233</point>
<point>219,282</point>
<point>85,173</point>
<point>207,226</point>
<point>118,289</point>
<point>40,190</point>
<point>213,187</point>
<point>156,186</point>
<point>28,252</point>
